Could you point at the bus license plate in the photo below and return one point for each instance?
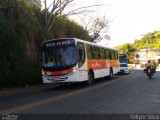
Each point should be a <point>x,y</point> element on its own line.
<point>57,79</point>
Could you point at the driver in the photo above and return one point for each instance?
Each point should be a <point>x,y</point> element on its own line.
<point>60,61</point>
<point>149,64</point>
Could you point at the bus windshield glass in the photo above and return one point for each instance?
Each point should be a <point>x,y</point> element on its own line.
<point>60,57</point>
<point>123,58</point>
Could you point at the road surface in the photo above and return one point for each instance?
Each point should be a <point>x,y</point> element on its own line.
<point>124,94</point>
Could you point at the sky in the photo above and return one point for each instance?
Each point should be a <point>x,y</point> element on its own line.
<point>129,19</point>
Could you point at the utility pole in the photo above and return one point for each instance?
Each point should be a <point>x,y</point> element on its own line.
<point>146,39</point>
<point>146,48</point>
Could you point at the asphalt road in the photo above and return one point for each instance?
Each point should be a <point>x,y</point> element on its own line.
<point>125,94</point>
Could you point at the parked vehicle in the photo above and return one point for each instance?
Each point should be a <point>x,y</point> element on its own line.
<point>123,58</point>
<point>124,69</point>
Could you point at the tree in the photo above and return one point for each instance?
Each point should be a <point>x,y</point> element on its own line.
<point>150,40</point>
<point>97,27</point>
<point>127,49</point>
<point>153,40</point>
<point>58,9</point>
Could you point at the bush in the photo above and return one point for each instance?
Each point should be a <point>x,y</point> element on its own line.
<point>15,67</point>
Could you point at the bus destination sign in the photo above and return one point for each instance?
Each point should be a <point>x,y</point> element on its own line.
<point>65,42</point>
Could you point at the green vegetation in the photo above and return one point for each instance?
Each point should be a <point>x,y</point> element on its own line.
<point>153,40</point>
<point>127,49</point>
<point>22,30</point>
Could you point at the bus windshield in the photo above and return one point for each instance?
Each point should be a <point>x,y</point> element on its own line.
<point>60,57</point>
<point>123,58</point>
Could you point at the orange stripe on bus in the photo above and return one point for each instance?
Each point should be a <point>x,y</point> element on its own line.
<point>101,64</point>
<point>96,64</point>
<point>114,63</point>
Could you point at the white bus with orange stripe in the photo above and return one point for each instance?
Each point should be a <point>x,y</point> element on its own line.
<point>68,60</point>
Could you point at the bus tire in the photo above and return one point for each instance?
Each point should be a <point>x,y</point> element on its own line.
<point>111,74</point>
<point>90,78</point>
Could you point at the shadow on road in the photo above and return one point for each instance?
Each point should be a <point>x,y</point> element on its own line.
<point>80,85</point>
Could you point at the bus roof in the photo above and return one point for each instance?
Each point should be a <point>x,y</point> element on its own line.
<point>80,40</point>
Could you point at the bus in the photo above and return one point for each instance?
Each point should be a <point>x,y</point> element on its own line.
<point>69,60</point>
<point>123,58</point>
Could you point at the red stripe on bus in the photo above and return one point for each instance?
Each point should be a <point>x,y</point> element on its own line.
<point>58,72</point>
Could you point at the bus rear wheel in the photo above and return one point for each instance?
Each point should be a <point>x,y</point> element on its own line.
<point>90,78</point>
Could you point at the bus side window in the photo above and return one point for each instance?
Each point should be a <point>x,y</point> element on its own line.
<point>110,55</point>
<point>89,52</point>
<point>102,54</point>
<point>113,55</point>
<point>96,53</point>
<point>107,54</point>
<point>81,54</point>
<point>116,55</point>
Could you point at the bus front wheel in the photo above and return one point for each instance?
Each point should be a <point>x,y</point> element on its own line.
<point>111,74</point>
<point>90,78</point>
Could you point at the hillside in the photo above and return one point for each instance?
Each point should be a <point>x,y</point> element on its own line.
<point>150,40</point>
<point>22,30</point>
